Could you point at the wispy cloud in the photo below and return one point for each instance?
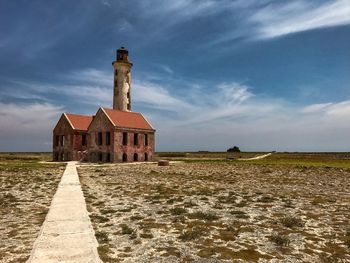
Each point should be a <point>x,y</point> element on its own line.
<point>297,16</point>
<point>202,118</point>
<point>233,114</point>
<point>257,19</point>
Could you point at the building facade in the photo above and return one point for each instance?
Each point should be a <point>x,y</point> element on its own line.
<point>120,136</point>
<point>70,137</point>
<point>111,135</point>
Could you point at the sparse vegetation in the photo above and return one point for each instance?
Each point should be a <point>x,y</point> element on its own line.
<point>209,216</point>
<point>26,190</point>
<point>126,230</point>
<point>266,199</point>
<point>178,211</point>
<point>291,221</point>
<point>280,240</point>
<point>225,210</point>
<point>193,234</point>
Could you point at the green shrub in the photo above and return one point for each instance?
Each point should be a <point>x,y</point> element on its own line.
<point>193,234</point>
<point>291,221</point>
<point>234,149</point>
<point>126,230</point>
<point>178,211</point>
<point>208,216</point>
<point>280,240</point>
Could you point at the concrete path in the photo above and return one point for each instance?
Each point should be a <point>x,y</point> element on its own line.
<point>67,234</point>
<point>255,158</point>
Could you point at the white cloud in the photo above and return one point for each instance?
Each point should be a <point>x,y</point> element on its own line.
<point>124,26</point>
<point>277,20</point>
<point>232,114</point>
<point>234,92</point>
<point>27,127</point>
<point>157,97</point>
<point>317,108</point>
<point>106,2</point>
<point>199,119</point>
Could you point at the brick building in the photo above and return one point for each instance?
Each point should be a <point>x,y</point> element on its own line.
<point>70,137</point>
<point>111,135</point>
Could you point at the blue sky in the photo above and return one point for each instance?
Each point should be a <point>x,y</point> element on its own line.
<point>260,74</point>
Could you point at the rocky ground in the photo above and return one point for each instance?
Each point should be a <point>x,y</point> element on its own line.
<point>219,212</point>
<point>26,190</point>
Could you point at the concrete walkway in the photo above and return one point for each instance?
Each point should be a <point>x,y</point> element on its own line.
<point>255,158</point>
<point>67,234</point>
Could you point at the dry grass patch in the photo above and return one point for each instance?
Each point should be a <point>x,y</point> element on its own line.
<point>221,211</point>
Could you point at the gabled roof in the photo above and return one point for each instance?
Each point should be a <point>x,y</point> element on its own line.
<point>127,119</point>
<point>79,122</point>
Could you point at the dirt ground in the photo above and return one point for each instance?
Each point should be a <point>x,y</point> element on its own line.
<point>219,212</point>
<point>26,190</point>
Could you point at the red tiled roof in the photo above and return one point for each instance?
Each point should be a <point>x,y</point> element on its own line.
<point>126,119</point>
<point>79,122</point>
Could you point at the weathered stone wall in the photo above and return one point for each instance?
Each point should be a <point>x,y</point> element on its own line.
<point>130,149</point>
<point>122,86</point>
<point>72,149</point>
<point>65,152</point>
<point>100,123</point>
<point>79,150</point>
<point>114,152</point>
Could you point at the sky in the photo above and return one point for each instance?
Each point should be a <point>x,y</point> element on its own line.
<point>208,74</point>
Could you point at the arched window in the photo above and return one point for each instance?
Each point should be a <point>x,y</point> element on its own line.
<point>136,157</point>
<point>125,157</point>
<point>146,157</point>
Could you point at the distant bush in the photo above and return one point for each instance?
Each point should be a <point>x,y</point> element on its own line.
<point>234,149</point>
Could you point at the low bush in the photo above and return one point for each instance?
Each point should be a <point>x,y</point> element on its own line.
<point>291,221</point>
<point>280,240</point>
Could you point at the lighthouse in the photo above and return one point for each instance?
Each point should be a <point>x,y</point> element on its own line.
<point>122,81</point>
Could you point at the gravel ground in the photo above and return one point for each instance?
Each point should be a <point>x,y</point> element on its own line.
<point>25,197</point>
<point>219,212</point>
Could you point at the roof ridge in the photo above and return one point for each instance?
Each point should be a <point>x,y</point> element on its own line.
<point>109,117</point>
<point>134,112</point>
<point>78,114</point>
<point>69,121</point>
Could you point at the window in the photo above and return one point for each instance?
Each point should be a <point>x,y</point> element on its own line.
<point>62,140</point>
<point>136,157</point>
<point>108,138</point>
<point>100,157</point>
<point>125,138</point>
<point>146,139</point>
<point>146,157</point>
<point>136,139</point>
<point>57,140</point>
<point>125,157</point>
<point>108,158</point>
<point>99,138</point>
<point>83,139</point>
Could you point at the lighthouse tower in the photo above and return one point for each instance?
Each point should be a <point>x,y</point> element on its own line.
<point>122,81</point>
